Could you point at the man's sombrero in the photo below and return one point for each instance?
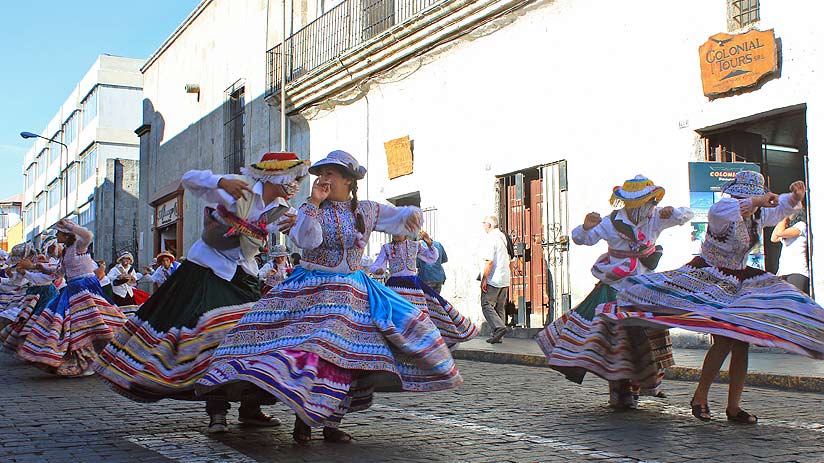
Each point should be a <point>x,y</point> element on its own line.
<point>635,193</point>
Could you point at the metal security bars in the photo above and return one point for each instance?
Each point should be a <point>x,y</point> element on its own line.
<point>342,28</point>
<point>743,13</point>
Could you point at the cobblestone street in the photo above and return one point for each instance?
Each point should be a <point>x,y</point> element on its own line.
<point>502,413</point>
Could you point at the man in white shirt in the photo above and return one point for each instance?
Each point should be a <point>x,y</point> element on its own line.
<point>495,276</point>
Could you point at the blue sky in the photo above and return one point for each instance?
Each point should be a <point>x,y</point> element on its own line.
<point>47,46</point>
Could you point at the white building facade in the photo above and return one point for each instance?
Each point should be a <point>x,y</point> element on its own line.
<point>96,124</point>
<point>529,110</point>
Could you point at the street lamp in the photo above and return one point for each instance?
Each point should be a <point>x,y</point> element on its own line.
<point>28,135</point>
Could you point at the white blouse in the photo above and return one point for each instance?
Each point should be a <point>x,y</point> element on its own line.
<point>402,257</point>
<point>203,184</point>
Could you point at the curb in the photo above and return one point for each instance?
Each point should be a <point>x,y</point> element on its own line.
<point>783,382</point>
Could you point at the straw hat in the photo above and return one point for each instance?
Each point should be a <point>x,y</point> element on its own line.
<point>165,254</point>
<point>635,192</point>
<point>281,167</point>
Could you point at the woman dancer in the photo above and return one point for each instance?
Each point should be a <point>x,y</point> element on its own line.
<point>323,340</point>
<point>401,255</point>
<point>633,360</point>
<point>124,278</point>
<point>41,291</point>
<point>12,291</point>
<point>167,345</point>
<point>718,293</point>
<point>276,270</point>
<point>67,335</point>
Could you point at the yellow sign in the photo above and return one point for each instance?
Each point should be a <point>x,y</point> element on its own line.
<point>731,62</point>
<point>399,156</point>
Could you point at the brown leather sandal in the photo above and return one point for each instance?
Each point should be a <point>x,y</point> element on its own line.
<point>742,417</point>
<point>701,411</point>
<point>336,436</point>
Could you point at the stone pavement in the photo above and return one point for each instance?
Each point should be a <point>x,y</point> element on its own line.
<point>503,413</point>
<point>767,369</point>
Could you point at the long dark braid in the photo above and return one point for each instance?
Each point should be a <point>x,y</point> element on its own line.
<point>70,240</point>
<point>360,224</point>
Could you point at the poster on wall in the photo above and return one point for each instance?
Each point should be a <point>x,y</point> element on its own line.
<point>706,181</point>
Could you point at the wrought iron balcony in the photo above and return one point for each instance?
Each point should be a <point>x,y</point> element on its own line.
<point>340,29</point>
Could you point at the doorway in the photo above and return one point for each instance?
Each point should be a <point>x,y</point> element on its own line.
<point>777,142</point>
<point>533,210</point>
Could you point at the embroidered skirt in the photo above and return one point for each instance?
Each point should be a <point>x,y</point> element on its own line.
<point>324,342</point>
<point>64,338</point>
<point>453,326</point>
<point>579,342</point>
<point>749,305</point>
<point>36,299</point>
<point>167,344</point>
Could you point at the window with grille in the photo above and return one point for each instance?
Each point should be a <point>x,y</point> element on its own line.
<point>742,13</point>
<point>233,128</point>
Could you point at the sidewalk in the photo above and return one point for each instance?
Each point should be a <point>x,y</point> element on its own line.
<point>778,370</point>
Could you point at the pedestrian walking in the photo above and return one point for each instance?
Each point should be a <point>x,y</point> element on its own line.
<point>433,273</point>
<point>495,276</point>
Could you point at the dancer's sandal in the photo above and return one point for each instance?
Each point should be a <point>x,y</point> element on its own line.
<point>701,411</point>
<point>302,434</point>
<point>336,436</point>
<point>742,417</point>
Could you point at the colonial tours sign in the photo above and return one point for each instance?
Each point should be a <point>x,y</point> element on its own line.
<point>732,62</point>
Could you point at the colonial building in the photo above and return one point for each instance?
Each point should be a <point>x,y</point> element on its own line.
<point>89,149</point>
<point>530,110</point>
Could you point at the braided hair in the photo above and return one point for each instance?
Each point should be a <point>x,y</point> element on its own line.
<point>360,224</point>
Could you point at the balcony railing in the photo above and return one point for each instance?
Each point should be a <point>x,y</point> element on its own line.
<point>342,28</point>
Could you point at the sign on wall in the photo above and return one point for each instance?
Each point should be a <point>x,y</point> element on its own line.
<point>706,181</point>
<point>731,62</point>
<point>399,156</point>
<point>167,213</point>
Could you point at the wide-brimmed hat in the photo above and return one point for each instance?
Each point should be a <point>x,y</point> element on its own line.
<point>165,254</point>
<point>636,192</point>
<point>342,159</point>
<point>124,255</point>
<point>20,252</point>
<point>64,228</point>
<point>47,242</point>
<point>278,250</point>
<point>281,167</point>
<point>747,183</point>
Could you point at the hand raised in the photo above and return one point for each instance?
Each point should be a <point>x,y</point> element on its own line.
<point>768,200</point>
<point>235,187</point>
<point>666,212</point>
<point>799,190</point>
<point>592,220</point>
<point>320,191</point>
<point>413,222</point>
<point>286,222</point>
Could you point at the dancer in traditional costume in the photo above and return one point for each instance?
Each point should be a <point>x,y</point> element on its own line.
<point>718,293</point>
<point>166,266</point>
<point>167,345</point>
<point>41,291</point>
<point>632,360</point>
<point>326,338</point>
<point>124,280</point>
<point>12,292</point>
<point>67,335</point>
<point>276,270</point>
<point>401,255</point>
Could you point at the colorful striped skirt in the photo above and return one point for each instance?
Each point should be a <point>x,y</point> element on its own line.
<point>579,342</point>
<point>168,343</point>
<point>322,343</point>
<point>37,298</point>
<point>11,303</point>
<point>66,335</point>
<point>453,326</point>
<point>749,305</point>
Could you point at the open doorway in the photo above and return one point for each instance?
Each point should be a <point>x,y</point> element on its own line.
<point>777,142</point>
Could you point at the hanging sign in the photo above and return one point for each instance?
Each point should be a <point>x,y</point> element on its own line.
<point>399,156</point>
<point>731,62</point>
<point>167,213</point>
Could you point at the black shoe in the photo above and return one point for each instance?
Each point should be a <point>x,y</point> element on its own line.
<point>494,341</point>
<point>498,335</point>
<point>217,424</point>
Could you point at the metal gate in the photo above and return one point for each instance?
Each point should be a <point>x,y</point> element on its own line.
<point>533,210</point>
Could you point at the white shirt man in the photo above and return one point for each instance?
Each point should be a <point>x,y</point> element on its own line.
<point>495,278</point>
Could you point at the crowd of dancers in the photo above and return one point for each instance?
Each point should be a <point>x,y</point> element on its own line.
<point>322,337</point>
